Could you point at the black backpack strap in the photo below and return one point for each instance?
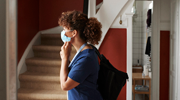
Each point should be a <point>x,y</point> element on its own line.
<point>96,50</point>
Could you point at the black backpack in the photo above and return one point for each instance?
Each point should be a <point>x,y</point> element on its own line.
<point>110,80</point>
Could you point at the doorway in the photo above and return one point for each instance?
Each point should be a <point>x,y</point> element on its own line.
<point>141,60</point>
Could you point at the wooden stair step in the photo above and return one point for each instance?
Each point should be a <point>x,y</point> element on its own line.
<point>40,85</point>
<point>46,51</point>
<point>46,48</point>
<point>51,39</point>
<point>36,61</point>
<point>39,77</point>
<point>44,69</point>
<point>29,94</point>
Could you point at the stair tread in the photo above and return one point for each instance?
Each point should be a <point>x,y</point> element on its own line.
<point>39,77</point>
<point>40,94</point>
<point>51,35</point>
<point>43,58</point>
<point>40,85</point>
<point>40,74</point>
<point>36,61</point>
<point>46,48</point>
<point>49,48</point>
<point>42,99</point>
<point>41,91</point>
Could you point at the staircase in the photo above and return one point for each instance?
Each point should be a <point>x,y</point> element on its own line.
<point>41,81</point>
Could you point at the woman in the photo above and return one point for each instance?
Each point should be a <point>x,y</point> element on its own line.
<point>80,76</point>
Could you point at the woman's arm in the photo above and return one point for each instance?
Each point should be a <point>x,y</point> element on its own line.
<point>66,82</point>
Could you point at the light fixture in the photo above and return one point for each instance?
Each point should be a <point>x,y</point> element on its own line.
<point>120,22</point>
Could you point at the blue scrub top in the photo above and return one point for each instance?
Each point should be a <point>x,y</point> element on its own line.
<point>84,70</point>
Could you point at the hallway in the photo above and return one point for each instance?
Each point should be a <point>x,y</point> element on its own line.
<point>18,29</point>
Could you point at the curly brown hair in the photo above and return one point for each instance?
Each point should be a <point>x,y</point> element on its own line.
<point>89,29</point>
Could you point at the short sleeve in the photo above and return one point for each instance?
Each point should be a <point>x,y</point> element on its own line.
<point>81,69</point>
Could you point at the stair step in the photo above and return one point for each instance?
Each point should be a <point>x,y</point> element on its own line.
<point>46,51</point>
<point>39,77</point>
<point>51,42</point>
<point>51,39</point>
<point>55,55</point>
<point>40,85</point>
<point>44,69</point>
<point>51,36</point>
<point>42,99</point>
<point>46,48</point>
<point>36,61</point>
<point>38,94</point>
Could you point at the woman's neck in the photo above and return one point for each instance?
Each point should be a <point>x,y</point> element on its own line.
<point>77,44</point>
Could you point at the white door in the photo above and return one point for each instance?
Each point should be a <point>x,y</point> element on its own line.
<point>173,50</point>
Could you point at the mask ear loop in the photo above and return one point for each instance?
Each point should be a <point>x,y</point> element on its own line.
<point>73,35</point>
<point>68,31</point>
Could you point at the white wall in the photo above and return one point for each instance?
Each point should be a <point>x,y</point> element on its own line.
<point>2,50</point>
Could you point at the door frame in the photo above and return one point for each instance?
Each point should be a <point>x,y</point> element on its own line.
<point>178,58</point>
<point>155,50</point>
<point>11,49</point>
<point>177,75</point>
<point>171,73</point>
<point>178,92</point>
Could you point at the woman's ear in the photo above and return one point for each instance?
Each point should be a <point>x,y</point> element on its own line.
<point>74,33</point>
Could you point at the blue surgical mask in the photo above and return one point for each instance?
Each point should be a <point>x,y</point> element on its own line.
<point>64,37</point>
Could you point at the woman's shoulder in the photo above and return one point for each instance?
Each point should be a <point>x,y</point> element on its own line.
<point>87,54</point>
